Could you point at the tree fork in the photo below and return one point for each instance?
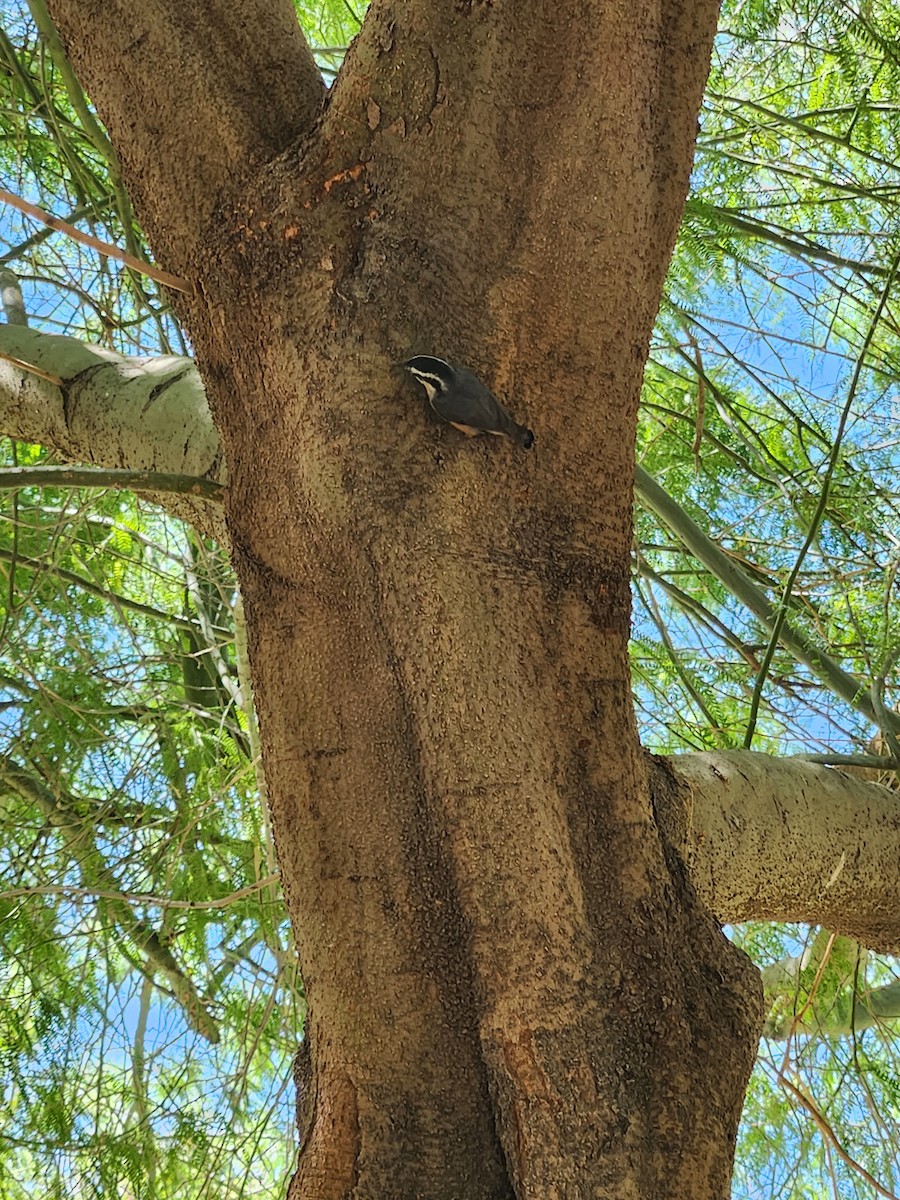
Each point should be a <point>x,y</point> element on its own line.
<point>511,984</point>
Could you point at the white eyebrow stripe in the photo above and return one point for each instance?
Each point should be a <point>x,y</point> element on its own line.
<point>426,377</point>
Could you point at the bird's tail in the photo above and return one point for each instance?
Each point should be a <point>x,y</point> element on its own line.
<point>523,437</point>
<point>520,434</point>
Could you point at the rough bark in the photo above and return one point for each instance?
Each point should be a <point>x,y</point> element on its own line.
<point>764,838</point>
<point>194,95</point>
<point>834,856</point>
<point>512,985</point>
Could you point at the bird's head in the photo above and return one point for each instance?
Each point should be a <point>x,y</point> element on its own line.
<point>434,374</point>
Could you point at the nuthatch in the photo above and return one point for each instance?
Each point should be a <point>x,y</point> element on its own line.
<point>458,396</point>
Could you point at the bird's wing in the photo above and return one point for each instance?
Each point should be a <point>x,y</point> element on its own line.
<point>471,404</point>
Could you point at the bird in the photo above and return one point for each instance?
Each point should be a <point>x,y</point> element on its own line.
<point>459,397</point>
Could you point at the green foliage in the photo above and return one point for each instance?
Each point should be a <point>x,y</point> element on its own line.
<point>129,807</point>
<point>788,240</point>
<point>789,237</point>
<point>329,26</point>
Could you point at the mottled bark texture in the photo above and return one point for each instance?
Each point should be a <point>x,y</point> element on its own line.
<point>768,839</point>
<point>513,988</point>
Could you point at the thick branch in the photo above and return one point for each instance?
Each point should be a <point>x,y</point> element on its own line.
<point>146,414</point>
<point>775,839</point>
<point>191,94</point>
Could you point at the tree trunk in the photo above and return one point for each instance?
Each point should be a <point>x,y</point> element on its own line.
<point>512,987</point>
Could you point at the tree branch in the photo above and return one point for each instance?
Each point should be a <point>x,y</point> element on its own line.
<point>87,239</point>
<point>773,839</point>
<point>161,902</point>
<point>113,598</point>
<point>199,91</point>
<point>100,477</point>
<point>149,414</point>
<point>855,691</point>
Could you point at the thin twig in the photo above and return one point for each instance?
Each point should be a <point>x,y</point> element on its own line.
<point>827,1132</point>
<point>875,762</point>
<point>31,369</point>
<point>110,477</point>
<point>86,239</point>
<point>745,589</point>
<point>114,598</point>
<point>139,897</point>
<point>798,1016</point>
<point>817,516</point>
